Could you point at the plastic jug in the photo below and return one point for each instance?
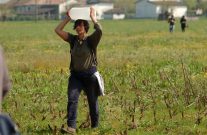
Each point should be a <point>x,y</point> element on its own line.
<point>80,13</point>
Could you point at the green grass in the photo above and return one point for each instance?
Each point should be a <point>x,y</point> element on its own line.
<point>140,61</point>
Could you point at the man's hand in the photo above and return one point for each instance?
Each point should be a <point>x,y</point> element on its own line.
<point>93,15</point>
<point>68,14</point>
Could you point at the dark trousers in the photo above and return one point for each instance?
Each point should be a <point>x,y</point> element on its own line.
<point>89,84</point>
<point>183,27</point>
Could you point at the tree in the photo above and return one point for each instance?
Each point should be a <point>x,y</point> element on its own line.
<point>3,12</point>
<point>191,4</point>
<point>127,5</point>
<point>202,5</point>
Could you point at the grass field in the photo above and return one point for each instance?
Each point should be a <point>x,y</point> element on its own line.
<point>155,81</point>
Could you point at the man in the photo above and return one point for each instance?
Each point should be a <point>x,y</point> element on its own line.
<point>171,22</point>
<point>83,67</point>
<point>183,23</point>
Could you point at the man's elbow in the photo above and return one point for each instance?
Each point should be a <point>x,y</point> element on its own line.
<point>56,31</point>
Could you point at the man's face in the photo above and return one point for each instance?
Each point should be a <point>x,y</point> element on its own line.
<point>80,29</point>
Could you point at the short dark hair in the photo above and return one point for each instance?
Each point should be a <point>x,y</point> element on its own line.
<point>79,22</point>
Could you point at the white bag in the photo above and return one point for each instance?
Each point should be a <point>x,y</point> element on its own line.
<point>100,83</point>
<point>80,13</point>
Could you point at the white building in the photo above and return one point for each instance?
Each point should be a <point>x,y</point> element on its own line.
<point>115,14</point>
<point>153,8</point>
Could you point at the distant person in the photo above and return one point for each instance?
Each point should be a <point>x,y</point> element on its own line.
<point>183,23</point>
<point>171,21</point>
<point>83,67</point>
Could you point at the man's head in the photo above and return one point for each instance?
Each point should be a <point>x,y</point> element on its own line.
<point>80,25</point>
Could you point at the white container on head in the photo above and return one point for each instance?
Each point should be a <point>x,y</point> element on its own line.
<point>80,13</point>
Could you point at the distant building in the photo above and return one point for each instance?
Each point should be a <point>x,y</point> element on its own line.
<point>199,11</point>
<point>155,8</point>
<point>53,9</point>
<point>115,14</point>
<point>42,9</point>
<point>5,10</point>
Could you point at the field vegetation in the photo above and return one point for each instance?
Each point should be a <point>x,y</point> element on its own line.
<point>155,81</point>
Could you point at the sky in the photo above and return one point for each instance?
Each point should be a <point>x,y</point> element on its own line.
<point>2,1</point>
